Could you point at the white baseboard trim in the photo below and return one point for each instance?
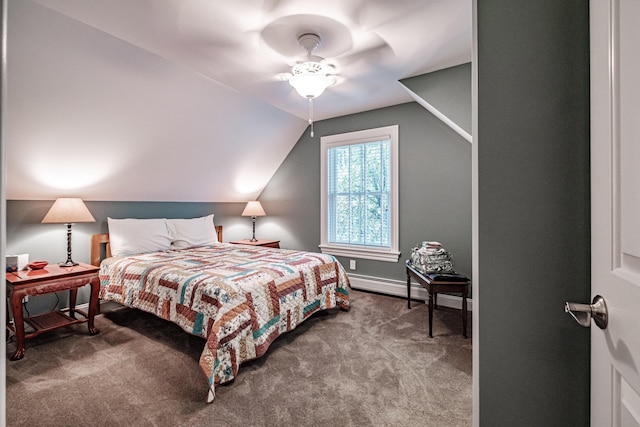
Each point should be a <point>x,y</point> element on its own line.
<point>399,289</point>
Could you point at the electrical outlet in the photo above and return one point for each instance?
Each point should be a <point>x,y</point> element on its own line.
<point>352,264</point>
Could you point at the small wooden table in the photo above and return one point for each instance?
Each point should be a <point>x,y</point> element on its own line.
<point>259,242</point>
<point>433,287</point>
<point>52,278</point>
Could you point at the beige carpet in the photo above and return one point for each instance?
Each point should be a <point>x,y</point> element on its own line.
<point>371,366</point>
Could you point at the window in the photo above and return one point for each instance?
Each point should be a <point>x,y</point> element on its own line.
<point>360,194</point>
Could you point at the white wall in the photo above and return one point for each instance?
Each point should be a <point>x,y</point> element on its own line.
<point>92,116</point>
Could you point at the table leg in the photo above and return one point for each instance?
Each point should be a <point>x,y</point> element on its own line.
<point>408,291</point>
<point>18,324</point>
<point>430,312</point>
<point>464,314</point>
<point>73,296</point>
<point>93,305</point>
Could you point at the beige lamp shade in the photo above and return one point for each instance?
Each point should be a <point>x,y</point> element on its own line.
<point>253,209</point>
<point>68,210</point>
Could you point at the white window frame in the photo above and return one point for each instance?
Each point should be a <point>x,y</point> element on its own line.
<point>391,254</point>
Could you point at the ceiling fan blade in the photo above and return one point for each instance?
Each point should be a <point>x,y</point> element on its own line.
<point>371,14</point>
<point>367,56</point>
<point>355,88</point>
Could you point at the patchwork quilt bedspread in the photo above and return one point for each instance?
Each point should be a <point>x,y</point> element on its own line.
<point>240,298</point>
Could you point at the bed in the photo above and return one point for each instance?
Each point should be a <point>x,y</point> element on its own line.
<point>239,298</point>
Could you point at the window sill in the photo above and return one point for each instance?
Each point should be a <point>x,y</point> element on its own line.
<point>362,253</point>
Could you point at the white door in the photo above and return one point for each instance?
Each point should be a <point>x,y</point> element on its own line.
<point>615,200</point>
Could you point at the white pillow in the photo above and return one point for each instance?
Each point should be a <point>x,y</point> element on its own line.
<point>186,233</point>
<point>135,236</point>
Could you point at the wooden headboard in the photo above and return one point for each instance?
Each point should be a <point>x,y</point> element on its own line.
<point>98,240</point>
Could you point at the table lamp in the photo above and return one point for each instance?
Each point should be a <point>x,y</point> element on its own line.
<point>253,209</point>
<point>67,211</point>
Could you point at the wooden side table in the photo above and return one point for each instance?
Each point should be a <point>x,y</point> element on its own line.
<point>52,278</point>
<point>435,286</point>
<point>259,242</point>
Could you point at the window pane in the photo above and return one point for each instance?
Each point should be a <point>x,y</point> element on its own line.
<point>341,216</point>
<point>374,173</point>
<point>356,155</point>
<point>356,221</point>
<point>341,165</point>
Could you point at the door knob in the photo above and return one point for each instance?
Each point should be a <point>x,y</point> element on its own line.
<point>583,313</point>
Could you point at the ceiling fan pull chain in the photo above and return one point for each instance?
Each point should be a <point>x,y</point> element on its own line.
<point>311,115</point>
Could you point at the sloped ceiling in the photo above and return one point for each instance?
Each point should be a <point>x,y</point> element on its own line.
<point>180,100</point>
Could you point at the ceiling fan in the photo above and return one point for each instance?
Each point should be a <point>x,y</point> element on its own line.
<point>312,75</point>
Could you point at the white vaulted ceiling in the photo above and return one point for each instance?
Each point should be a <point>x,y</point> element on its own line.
<point>182,100</point>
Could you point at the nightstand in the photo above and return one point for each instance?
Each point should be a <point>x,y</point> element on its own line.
<point>260,242</point>
<point>52,278</point>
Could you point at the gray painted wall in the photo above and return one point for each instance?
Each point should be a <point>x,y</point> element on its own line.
<point>533,167</point>
<point>435,187</point>
<point>448,90</point>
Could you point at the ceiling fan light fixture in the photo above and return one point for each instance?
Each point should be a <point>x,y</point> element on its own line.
<point>310,78</point>
<point>309,84</point>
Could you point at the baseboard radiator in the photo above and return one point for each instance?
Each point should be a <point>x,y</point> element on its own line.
<point>399,288</point>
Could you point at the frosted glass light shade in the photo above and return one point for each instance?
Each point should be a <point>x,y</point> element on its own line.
<point>310,78</point>
<point>310,85</point>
